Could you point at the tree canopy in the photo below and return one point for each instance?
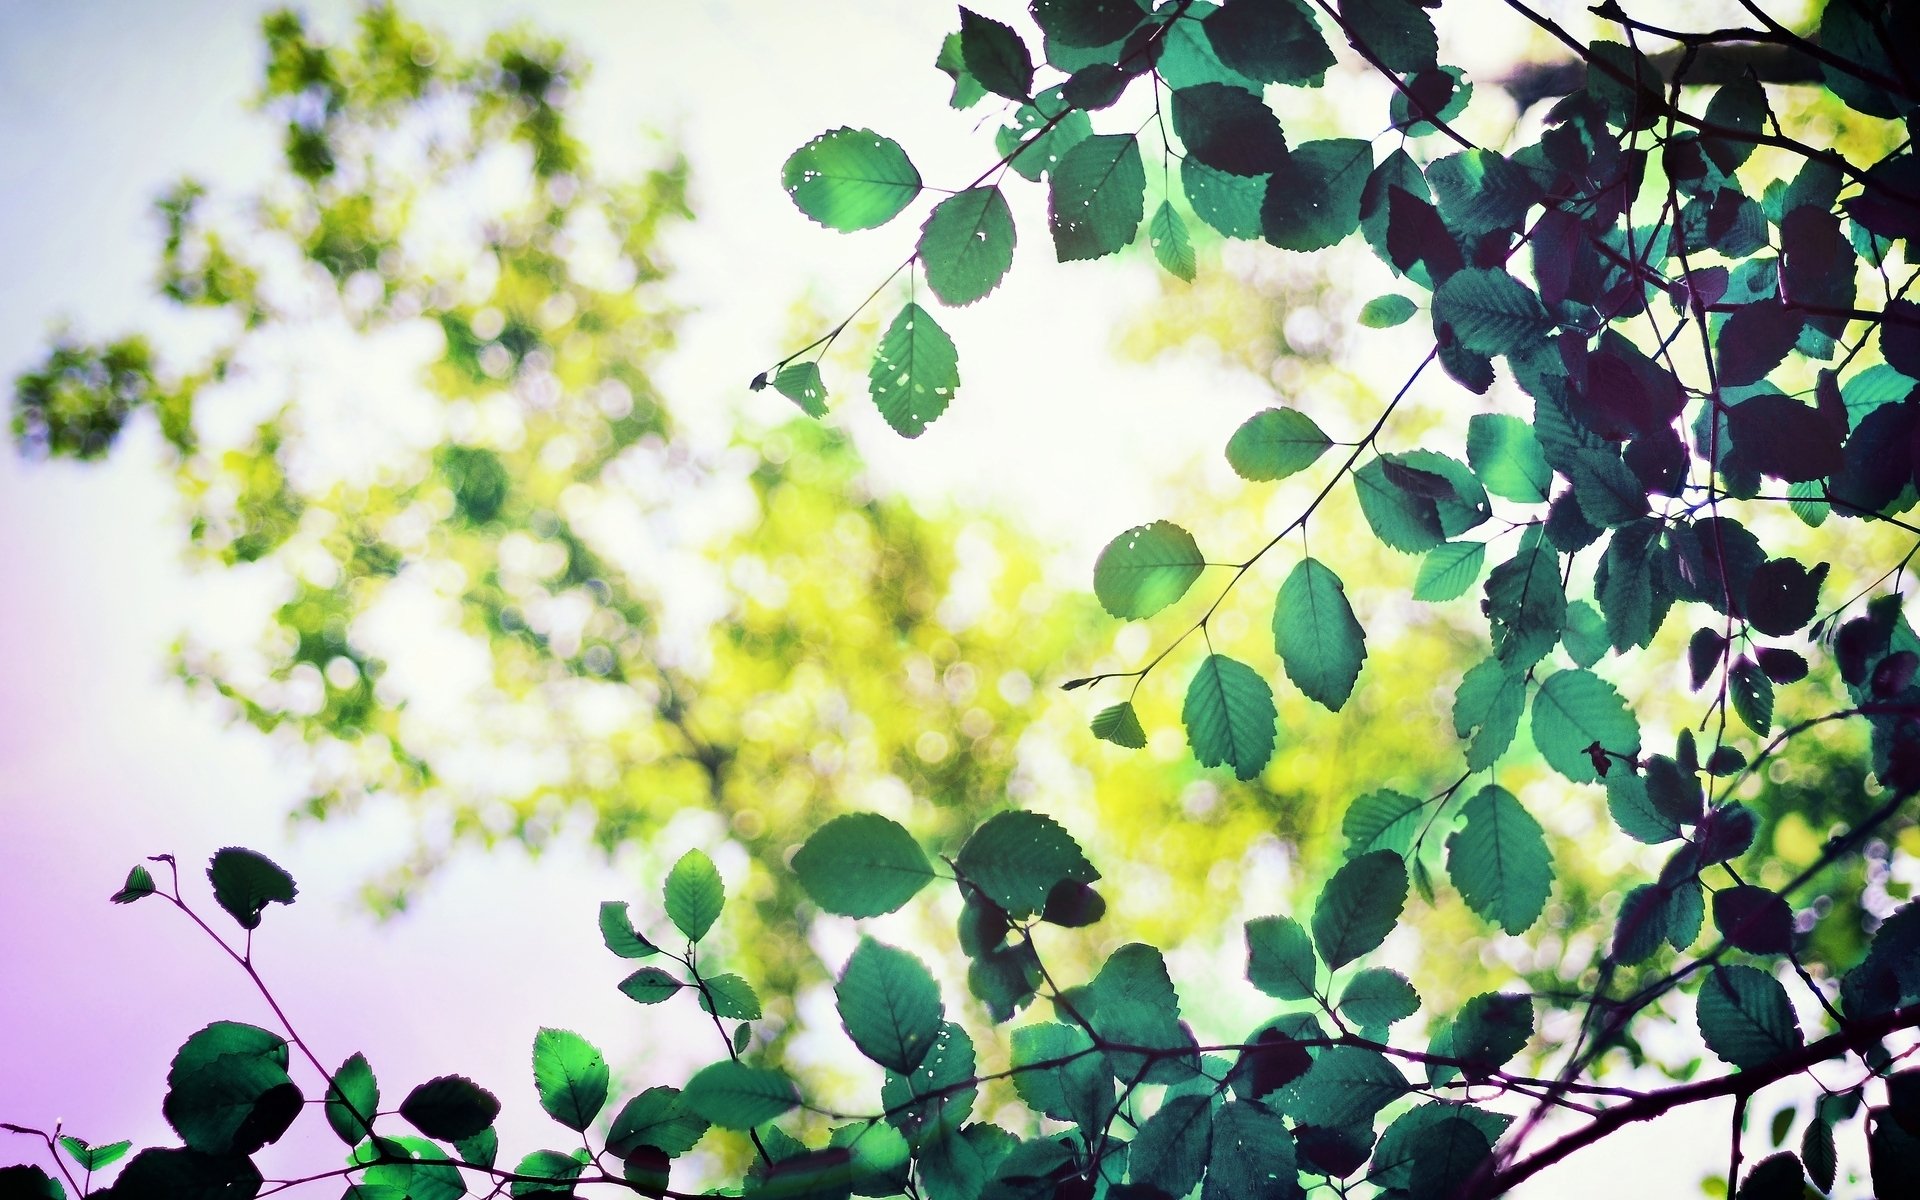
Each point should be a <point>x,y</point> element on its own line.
<point>1648,538</point>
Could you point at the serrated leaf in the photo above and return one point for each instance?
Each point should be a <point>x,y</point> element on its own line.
<point>850,179</point>
<point>25,1182</point>
<point>649,985</point>
<point>861,865</point>
<point>1499,860</point>
<point>915,372</point>
<point>735,1096</point>
<point>658,1118</point>
<point>730,997</point>
<point>1253,1154</point>
<point>1745,1018</point>
<point>1120,725</point>
<point>1574,710</point>
<point>1135,1005</point>
<point>450,1108</point>
<point>139,884</point>
<point>1359,907</point>
<point>1381,820</point>
<point>1526,603</point>
<point>694,895</point>
<point>617,931</point>
<point>1316,636</point>
<point>1017,858</point>
<point>1228,127</point>
<point>1505,454</point>
<point>1384,312</point>
<point>1753,919</point>
<point>966,245</point>
<point>229,1103</point>
<point>1096,197</point>
<point>245,882</point>
<point>1274,444</point>
<point>1490,311</point>
<point>1145,569</point>
<point>570,1076</point>
<point>1313,196</point>
<point>1585,636</point>
<point>1449,570</point>
<point>1377,997</point>
<point>1487,707</point>
<point>995,55</point>
<point>353,1097</point>
<point>1230,716</point>
<point>889,1005</point>
<point>1752,695</point>
<point>1490,1029</point>
<point>1170,1150</point>
<point>1171,246</point>
<point>1228,203</point>
<point>549,1176</point>
<point>800,383</point>
<point>92,1158</point>
<point>1280,958</point>
<point>1345,1086</point>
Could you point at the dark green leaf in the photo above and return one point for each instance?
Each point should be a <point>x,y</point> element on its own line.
<point>570,1076</point>
<point>1017,858</point>
<point>139,884</point>
<point>1228,128</point>
<point>1345,1086</point>
<point>861,865</point>
<point>450,1108</point>
<point>1745,1017</point>
<point>1268,41</point>
<point>1377,997</point>
<point>1313,197</point>
<point>935,1100</point>
<point>1753,919</point>
<point>1120,725</point>
<point>551,1175</point>
<point>1490,1029</point>
<point>1575,710</point>
<point>1086,22</point>
<point>1274,443</point>
<point>1170,1150</point>
<point>244,883</point>
<point>414,1168</point>
<point>1253,1155</point>
<point>694,895</point>
<point>850,179</point>
<point>1752,696</point>
<point>995,55</point>
<point>1817,1150</point>
<point>1490,311</point>
<point>1096,197</point>
<point>915,372</point>
<point>1358,908</point>
<point>889,1005</point>
<point>1635,812</point>
<point>156,1174</point>
<point>617,931</point>
<point>966,245</point>
<point>649,985</point>
<point>1042,132</point>
<point>353,1097</point>
<point>1229,715</point>
<point>1229,203</point>
<point>800,383</point>
<point>1316,636</point>
<point>1403,1144</point>
<point>1397,32</point>
<point>232,1104</point>
<point>1171,246</point>
<point>656,1118</point>
<point>1280,958</point>
<point>1487,707</point>
<point>735,1096</point>
<point>1479,192</point>
<point>30,1183</point>
<point>1506,455</point>
<point>1499,860</point>
<point>1043,1087</point>
<point>1145,569</point>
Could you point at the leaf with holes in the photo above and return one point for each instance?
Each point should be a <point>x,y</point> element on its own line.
<point>1096,197</point>
<point>1145,569</point>
<point>570,1076</point>
<point>915,372</point>
<point>850,179</point>
<point>966,246</point>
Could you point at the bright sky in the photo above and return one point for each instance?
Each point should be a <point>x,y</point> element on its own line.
<point>103,760</point>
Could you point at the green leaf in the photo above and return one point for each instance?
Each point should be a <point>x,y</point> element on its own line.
<point>1345,1086</point>
<point>139,884</point>
<point>245,882</point>
<point>1417,500</point>
<point>935,1100</point>
<point>694,895</point>
<point>1268,41</point>
<point>26,1182</point>
<point>1229,715</point>
<point>1253,1154</point>
<point>1384,312</point>
<point>657,1117</point>
<point>232,1103</point>
<point>1170,1150</point>
<point>649,985</point>
<point>1505,454</point>
<point>1120,725</point>
<point>1745,1017</point>
<point>1490,1029</point>
<point>1145,569</point>
<point>1448,570</point>
<point>1585,635</point>
<point>1752,696</point>
<point>1316,636</point>
<point>1526,603</point>
<point>1043,1088</point>
<point>1635,812</point>
<point>967,91</point>
<point>850,179</point>
<point>450,1108</point>
<point>915,372</point>
<point>550,1176</point>
<point>1488,707</point>
<point>1405,1140</point>
<point>92,1158</point>
<point>889,1005</point>
<point>1490,311</point>
<point>995,55</point>
<point>1573,711</point>
<point>617,931</point>
<point>1753,919</point>
<point>570,1076</point>
<point>1041,134</point>
<point>861,865</point>
<point>1358,908</point>
<point>1135,1005</point>
<point>1171,246</point>
<point>1228,127</point>
<point>1313,197</point>
<point>731,997</point>
<point>1086,23</point>
<point>966,245</point>
<point>1376,997</point>
<point>1398,32</point>
<point>1499,860</point>
<point>800,383</point>
<point>1381,820</point>
<point>1018,858</point>
<point>1275,443</point>
<point>1229,203</point>
<point>1096,197</point>
<point>189,1175</point>
<point>735,1096</point>
<point>353,1097</point>
<point>1280,958</point>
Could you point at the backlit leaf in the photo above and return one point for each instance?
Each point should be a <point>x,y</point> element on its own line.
<point>1490,311</point>
<point>1313,197</point>
<point>736,1096</point>
<point>1499,860</point>
<point>1145,569</point>
<point>1449,570</point>
<point>1230,716</point>
<point>1316,636</point>
<point>966,245</point>
<point>1575,710</point>
<point>1506,455</point>
<point>889,1005</point>
<point>1018,858</point>
<point>1377,997</point>
<point>1170,1150</point>
<point>1171,246</point>
<point>915,372</point>
<point>694,895</point>
<point>1274,443</point>
<point>1384,312</point>
<point>861,865</point>
<point>1120,725</point>
<point>245,882</point>
<point>800,383</point>
<point>995,55</point>
<point>1280,958</point>
<point>570,1076</point>
<point>450,1108</point>
<point>850,179</point>
<point>1359,907</point>
<point>617,931</point>
<point>1745,1017</point>
<point>1096,197</point>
